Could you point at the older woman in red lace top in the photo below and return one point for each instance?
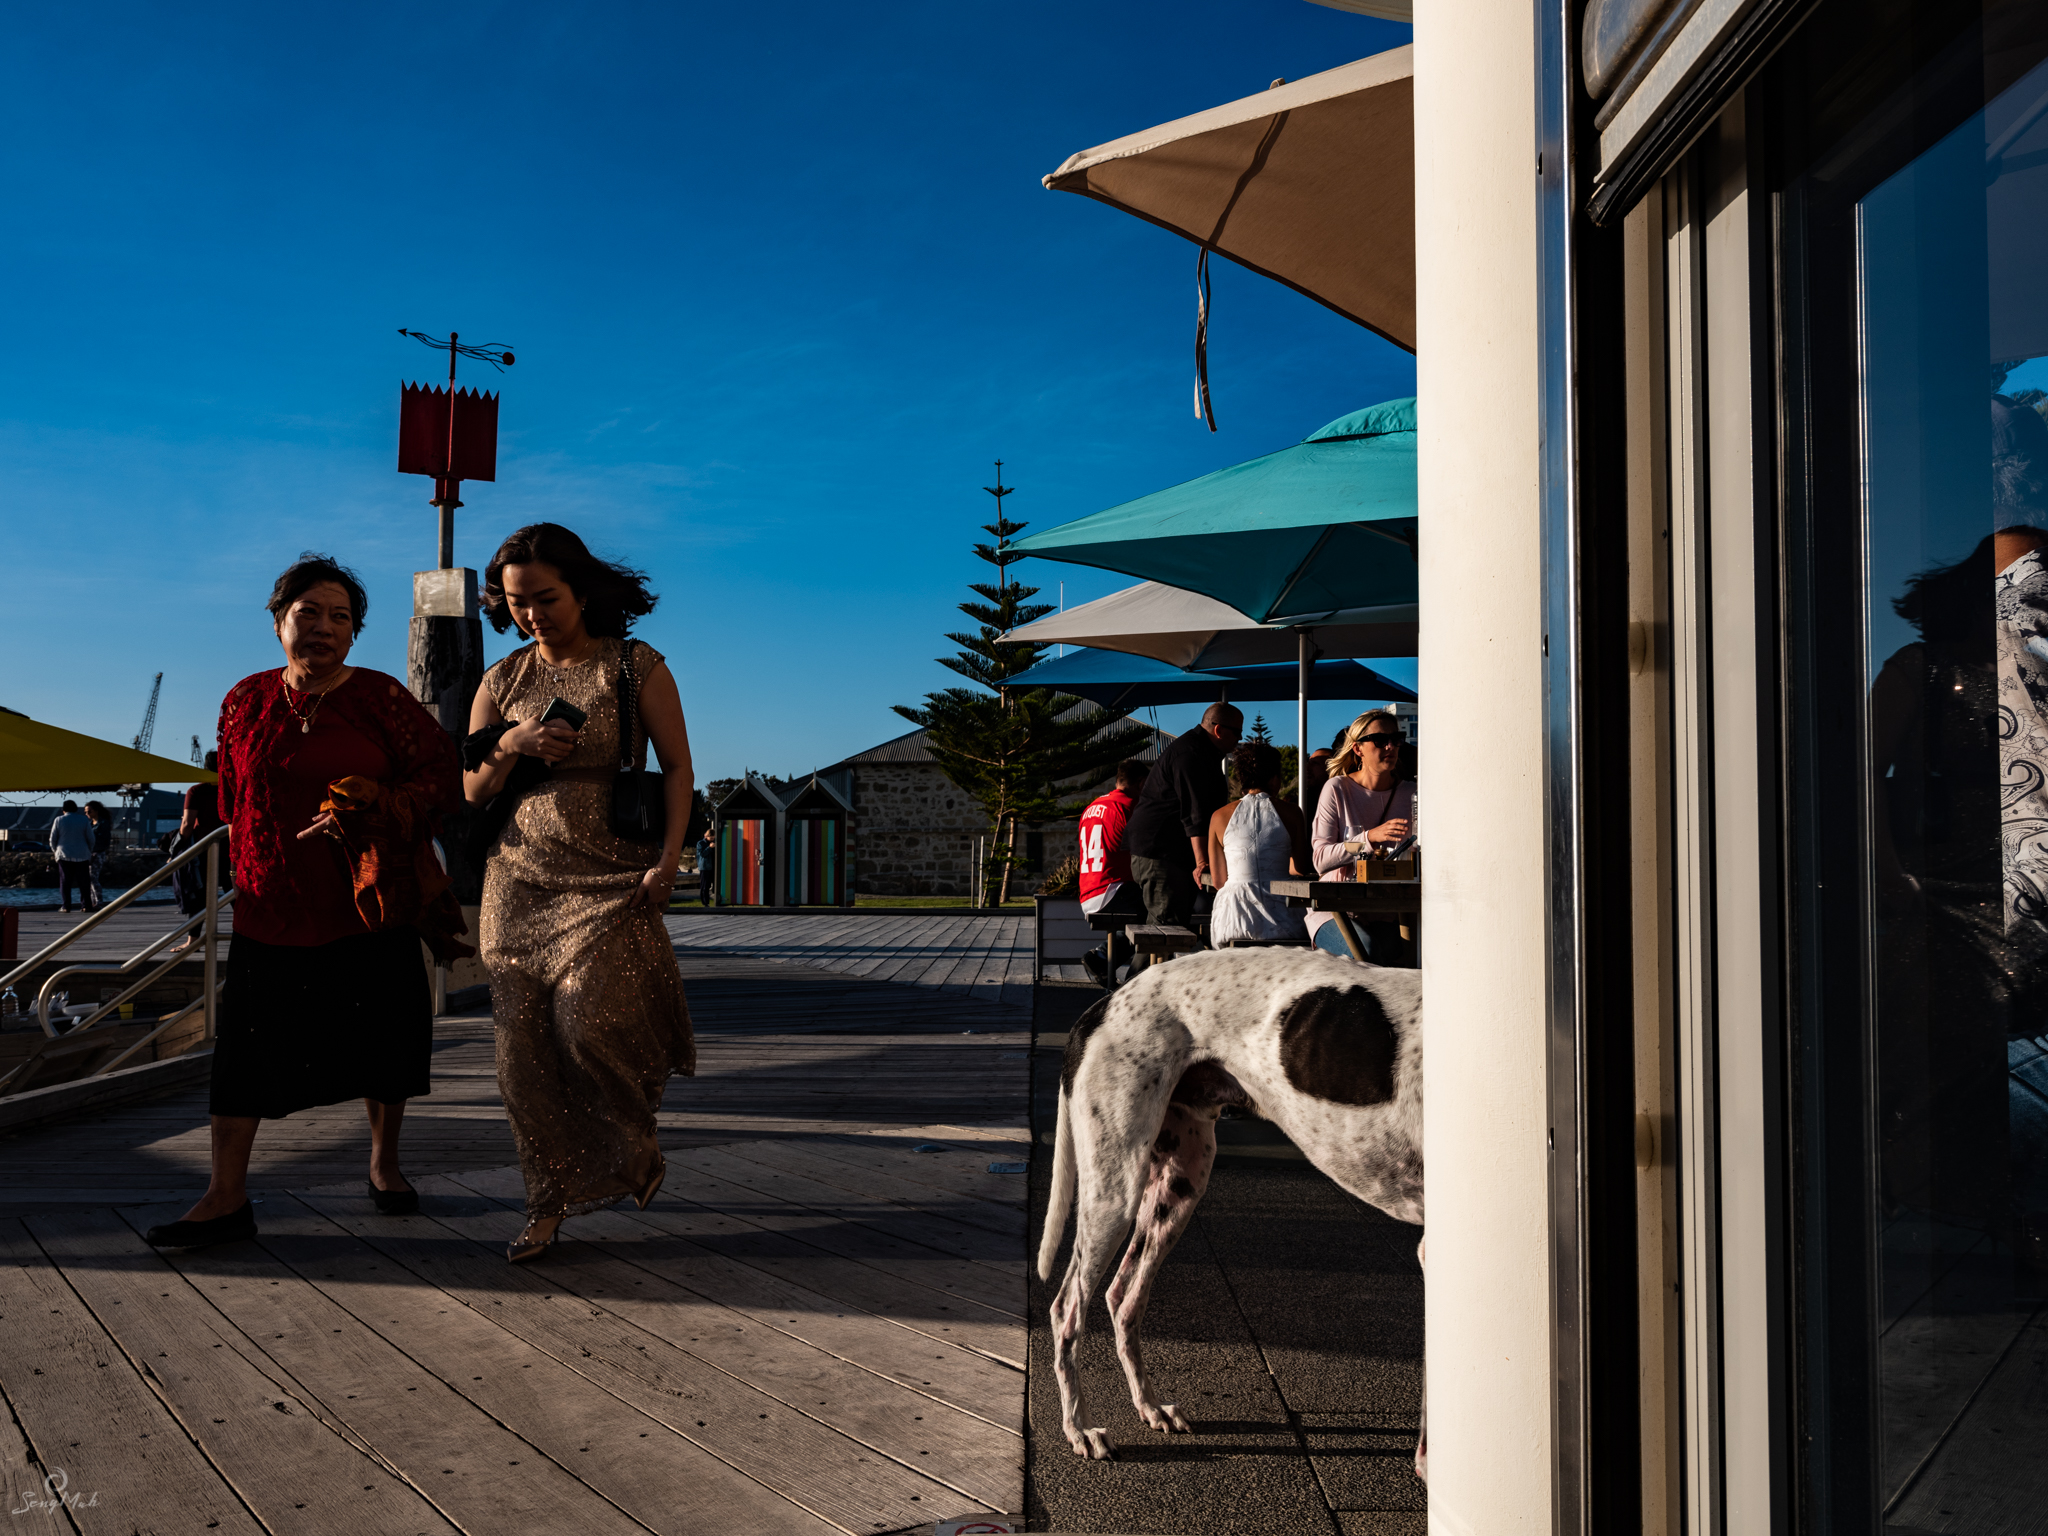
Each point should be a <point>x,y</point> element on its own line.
<point>331,780</point>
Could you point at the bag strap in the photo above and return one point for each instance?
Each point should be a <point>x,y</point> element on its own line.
<point>630,761</point>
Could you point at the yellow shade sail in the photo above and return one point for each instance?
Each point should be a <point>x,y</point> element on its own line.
<point>36,756</point>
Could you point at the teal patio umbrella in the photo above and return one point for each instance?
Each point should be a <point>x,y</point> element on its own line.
<point>1289,539</point>
<point>1122,682</point>
<point>1294,539</point>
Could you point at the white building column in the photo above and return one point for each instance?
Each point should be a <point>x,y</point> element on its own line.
<point>1488,1349</point>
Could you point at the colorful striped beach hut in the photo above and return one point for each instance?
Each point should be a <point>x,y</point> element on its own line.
<point>748,823</point>
<point>816,858</point>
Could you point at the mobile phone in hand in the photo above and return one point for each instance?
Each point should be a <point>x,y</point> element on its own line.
<point>561,709</point>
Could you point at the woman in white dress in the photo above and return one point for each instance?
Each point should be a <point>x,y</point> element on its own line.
<point>1254,841</point>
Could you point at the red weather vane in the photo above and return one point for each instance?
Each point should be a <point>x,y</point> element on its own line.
<point>450,435</point>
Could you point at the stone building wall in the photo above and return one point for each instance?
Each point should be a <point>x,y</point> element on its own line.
<point>914,832</point>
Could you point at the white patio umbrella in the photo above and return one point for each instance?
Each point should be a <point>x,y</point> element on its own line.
<point>1311,183</point>
<point>1190,630</point>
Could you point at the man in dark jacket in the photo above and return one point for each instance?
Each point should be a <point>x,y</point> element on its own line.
<point>1168,834</point>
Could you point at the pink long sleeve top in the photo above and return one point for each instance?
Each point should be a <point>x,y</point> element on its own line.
<point>1345,813</point>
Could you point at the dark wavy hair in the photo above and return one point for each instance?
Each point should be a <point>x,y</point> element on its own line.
<point>613,596</point>
<point>308,572</point>
<point>1952,604</point>
<point>1256,764</point>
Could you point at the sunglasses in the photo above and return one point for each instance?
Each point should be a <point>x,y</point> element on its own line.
<point>1382,740</point>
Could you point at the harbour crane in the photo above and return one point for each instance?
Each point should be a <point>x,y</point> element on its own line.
<point>197,755</point>
<point>147,734</point>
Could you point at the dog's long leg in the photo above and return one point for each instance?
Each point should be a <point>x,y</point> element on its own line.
<point>1101,1218</point>
<point>1182,1157</point>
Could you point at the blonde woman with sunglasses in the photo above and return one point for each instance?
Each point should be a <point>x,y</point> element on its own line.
<point>1367,802</point>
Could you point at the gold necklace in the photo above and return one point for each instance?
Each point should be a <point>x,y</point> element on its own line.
<point>305,720</point>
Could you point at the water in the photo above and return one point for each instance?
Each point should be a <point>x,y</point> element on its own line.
<point>47,897</point>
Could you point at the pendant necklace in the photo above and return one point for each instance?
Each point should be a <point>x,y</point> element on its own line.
<point>305,720</point>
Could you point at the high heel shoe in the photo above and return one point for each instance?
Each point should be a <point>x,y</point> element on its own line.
<point>644,1196</point>
<point>537,1237</point>
<point>394,1202</point>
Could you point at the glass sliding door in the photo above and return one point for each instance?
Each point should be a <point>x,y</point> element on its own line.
<point>1908,167</point>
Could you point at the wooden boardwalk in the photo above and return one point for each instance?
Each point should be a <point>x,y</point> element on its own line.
<point>988,957</point>
<point>120,936</point>
<point>816,1327</point>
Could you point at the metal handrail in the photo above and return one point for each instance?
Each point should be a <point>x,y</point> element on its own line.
<point>206,921</point>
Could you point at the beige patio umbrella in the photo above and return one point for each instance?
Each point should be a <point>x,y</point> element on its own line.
<point>1311,183</point>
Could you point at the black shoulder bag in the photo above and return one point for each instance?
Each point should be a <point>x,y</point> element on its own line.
<point>639,812</point>
<point>639,806</point>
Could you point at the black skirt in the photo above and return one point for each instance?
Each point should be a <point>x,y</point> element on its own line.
<point>302,1025</point>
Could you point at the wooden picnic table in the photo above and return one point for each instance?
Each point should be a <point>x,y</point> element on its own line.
<point>1374,900</point>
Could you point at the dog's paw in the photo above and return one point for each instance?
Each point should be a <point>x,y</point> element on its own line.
<point>1092,1443</point>
<point>1165,1418</point>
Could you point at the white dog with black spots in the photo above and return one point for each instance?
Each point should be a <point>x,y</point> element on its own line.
<point>1328,1050</point>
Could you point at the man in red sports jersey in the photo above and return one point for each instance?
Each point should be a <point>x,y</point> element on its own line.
<point>1106,883</point>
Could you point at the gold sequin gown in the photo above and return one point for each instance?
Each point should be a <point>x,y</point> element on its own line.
<point>587,997</point>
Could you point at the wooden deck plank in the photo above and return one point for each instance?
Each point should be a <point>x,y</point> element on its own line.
<point>887,1252</point>
<point>83,1407</point>
<point>476,1467</point>
<point>824,1317</point>
<point>977,1264</point>
<point>272,1444</point>
<point>863,1269</point>
<point>925,1406</point>
<point>780,1447</point>
<point>959,1169</point>
<point>875,1186</point>
<point>32,1496</point>
<point>613,1447</point>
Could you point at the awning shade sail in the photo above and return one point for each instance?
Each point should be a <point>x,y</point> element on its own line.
<point>1311,183</point>
<point>1294,537</point>
<point>35,756</point>
<point>1119,681</point>
<point>1188,629</point>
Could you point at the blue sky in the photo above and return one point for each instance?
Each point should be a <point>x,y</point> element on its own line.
<point>782,283</point>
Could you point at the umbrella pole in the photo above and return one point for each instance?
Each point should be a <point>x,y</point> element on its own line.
<point>1301,725</point>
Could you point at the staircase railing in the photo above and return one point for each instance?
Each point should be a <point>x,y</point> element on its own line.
<point>204,924</point>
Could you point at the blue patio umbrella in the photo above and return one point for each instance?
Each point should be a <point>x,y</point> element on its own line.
<point>1116,680</point>
<point>1288,539</point>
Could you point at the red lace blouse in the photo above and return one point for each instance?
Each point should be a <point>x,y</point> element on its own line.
<point>273,777</point>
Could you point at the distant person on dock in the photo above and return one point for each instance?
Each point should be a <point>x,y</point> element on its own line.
<point>332,778</point>
<point>585,989</point>
<point>1169,830</point>
<point>102,845</point>
<point>707,868</point>
<point>1105,883</point>
<point>201,816</point>
<point>71,847</point>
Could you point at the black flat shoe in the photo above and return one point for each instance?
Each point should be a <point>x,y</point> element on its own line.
<point>231,1228</point>
<point>394,1202</point>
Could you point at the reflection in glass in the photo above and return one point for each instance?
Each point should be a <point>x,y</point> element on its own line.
<point>1953,300</point>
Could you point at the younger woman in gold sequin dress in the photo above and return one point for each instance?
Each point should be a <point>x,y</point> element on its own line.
<point>585,991</point>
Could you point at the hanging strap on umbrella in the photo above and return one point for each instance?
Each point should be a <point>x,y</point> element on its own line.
<point>1203,409</point>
